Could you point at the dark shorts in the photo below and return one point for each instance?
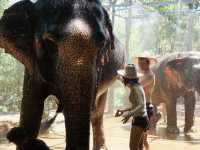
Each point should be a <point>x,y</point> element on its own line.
<point>150,109</point>
<point>142,122</point>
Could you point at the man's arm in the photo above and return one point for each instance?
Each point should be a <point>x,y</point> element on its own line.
<point>132,112</point>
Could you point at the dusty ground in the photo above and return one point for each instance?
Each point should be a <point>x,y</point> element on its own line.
<point>117,135</point>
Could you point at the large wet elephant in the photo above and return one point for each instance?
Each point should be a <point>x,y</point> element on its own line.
<point>177,75</point>
<point>68,50</point>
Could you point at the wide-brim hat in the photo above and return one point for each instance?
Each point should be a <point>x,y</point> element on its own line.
<point>147,55</point>
<point>129,72</point>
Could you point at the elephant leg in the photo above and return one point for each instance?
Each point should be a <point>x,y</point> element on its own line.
<point>97,124</point>
<point>34,94</point>
<point>172,116</point>
<point>189,110</point>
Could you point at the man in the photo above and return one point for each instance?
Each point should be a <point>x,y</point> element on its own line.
<point>144,61</point>
<point>137,110</point>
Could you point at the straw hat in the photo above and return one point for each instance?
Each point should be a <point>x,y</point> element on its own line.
<point>147,55</point>
<point>129,72</point>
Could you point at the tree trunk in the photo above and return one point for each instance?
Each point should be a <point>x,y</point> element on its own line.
<point>189,34</point>
<point>128,27</point>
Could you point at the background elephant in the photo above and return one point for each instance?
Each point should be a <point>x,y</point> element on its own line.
<point>69,51</point>
<point>177,75</point>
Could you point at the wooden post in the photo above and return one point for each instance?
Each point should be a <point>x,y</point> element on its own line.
<point>128,26</point>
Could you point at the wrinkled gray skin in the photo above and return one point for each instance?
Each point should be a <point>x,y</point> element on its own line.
<point>177,74</point>
<point>68,51</point>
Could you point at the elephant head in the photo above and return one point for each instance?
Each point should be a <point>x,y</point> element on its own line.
<point>184,71</point>
<point>65,44</point>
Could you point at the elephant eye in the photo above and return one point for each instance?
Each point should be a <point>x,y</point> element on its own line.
<point>49,45</point>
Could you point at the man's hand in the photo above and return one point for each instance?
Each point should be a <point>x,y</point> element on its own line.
<point>126,117</point>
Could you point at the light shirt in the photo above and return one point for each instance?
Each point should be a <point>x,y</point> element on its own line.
<point>138,101</point>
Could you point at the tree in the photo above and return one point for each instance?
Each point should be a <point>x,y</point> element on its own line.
<point>11,77</point>
<point>3,4</point>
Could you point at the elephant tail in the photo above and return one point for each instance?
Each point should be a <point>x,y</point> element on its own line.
<point>45,125</point>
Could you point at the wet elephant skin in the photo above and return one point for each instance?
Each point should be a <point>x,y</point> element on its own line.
<point>177,75</point>
<point>68,50</point>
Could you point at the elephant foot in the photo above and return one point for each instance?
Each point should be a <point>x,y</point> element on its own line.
<point>188,129</point>
<point>103,147</point>
<point>173,129</point>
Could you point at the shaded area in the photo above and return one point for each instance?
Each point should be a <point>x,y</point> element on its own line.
<point>117,134</point>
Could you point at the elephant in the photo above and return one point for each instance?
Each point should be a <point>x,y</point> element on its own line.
<point>69,50</point>
<point>176,75</point>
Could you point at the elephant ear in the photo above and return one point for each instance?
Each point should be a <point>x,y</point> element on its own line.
<point>110,28</point>
<point>17,33</point>
<point>176,63</point>
<point>172,67</point>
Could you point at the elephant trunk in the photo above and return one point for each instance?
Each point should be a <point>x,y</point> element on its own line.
<point>77,72</point>
<point>77,129</point>
<point>78,97</point>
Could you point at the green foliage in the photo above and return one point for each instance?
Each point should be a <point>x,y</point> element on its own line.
<point>194,5</point>
<point>3,4</point>
<point>175,29</point>
<point>11,79</point>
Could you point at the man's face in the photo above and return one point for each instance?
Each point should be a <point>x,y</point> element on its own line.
<point>143,63</point>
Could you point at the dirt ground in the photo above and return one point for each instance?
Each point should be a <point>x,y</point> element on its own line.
<point>117,135</point>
